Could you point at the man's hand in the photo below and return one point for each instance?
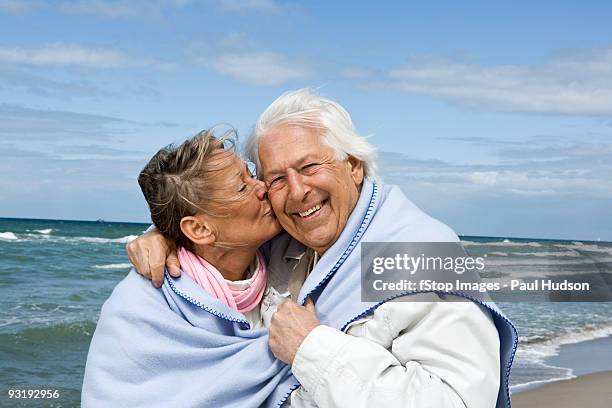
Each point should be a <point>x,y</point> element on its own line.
<point>290,326</point>
<point>149,253</point>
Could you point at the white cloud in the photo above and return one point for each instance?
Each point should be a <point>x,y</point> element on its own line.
<point>237,41</point>
<point>485,178</point>
<point>16,6</point>
<point>104,8</point>
<point>122,8</point>
<point>266,6</point>
<point>576,170</point>
<point>21,81</point>
<point>27,125</point>
<point>555,152</point>
<point>263,68</point>
<point>135,8</point>
<point>74,55</point>
<point>532,183</point>
<point>100,8</point>
<point>62,54</point>
<point>356,73</point>
<point>576,84</point>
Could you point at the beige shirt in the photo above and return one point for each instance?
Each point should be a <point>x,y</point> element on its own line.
<point>301,271</point>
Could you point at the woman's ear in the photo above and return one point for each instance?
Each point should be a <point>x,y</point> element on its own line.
<point>198,230</point>
<point>356,169</point>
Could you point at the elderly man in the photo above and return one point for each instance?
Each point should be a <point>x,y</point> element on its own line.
<point>321,179</point>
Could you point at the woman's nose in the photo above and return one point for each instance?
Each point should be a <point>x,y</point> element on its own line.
<point>260,189</point>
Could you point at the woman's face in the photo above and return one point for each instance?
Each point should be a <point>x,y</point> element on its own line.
<point>248,217</point>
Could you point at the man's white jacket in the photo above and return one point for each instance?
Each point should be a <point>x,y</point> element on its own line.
<point>406,354</point>
<point>422,352</point>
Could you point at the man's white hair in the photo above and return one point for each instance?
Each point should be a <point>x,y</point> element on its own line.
<point>304,108</point>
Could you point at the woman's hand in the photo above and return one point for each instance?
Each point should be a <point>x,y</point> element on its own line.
<point>149,253</point>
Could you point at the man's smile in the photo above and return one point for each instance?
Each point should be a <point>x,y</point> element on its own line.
<point>311,211</point>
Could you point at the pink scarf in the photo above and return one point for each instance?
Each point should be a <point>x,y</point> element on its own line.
<point>211,280</point>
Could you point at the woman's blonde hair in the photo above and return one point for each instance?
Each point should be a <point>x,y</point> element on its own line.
<point>181,181</point>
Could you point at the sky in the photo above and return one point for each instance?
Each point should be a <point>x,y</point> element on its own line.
<point>494,117</point>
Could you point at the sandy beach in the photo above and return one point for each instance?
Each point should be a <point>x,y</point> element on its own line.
<point>587,391</point>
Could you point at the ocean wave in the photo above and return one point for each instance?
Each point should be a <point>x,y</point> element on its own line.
<point>67,331</point>
<point>114,266</point>
<point>590,332</point>
<point>8,236</point>
<point>47,237</point>
<point>572,254</point>
<point>97,240</point>
<point>585,247</point>
<point>526,264</point>
<point>532,384</point>
<point>41,315</point>
<point>511,261</point>
<point>45,231</point>
<point>537,348</point>
<point>504,243</point>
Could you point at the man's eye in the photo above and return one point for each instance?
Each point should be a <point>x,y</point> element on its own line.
<point>310,167</point>
<point>276,181</point>
<point>243,188</point>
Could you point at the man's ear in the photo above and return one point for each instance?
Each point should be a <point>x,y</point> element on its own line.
<point>198,230</point>
<point>356,169</point>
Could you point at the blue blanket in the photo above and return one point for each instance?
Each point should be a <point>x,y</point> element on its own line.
<point>176,346</point>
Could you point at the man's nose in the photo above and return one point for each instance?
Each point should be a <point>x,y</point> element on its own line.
<point>297,188</point>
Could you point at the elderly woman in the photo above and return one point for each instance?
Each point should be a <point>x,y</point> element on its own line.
<point>199,340</point>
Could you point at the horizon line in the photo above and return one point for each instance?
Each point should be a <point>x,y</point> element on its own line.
<point>101,221</point>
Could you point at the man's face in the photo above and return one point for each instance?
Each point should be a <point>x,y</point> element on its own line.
<point>311,192</point>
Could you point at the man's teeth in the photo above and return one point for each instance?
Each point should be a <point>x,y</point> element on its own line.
<point>310,211</point>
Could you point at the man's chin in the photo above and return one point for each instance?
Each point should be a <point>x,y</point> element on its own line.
<point>319,244</point>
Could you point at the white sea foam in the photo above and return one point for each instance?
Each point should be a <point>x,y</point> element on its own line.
<point>589,332</point>
<point>532,384</point>
<point>585,247</point>
<point>539,347</point>
<point>536,349</point>
<point>504,243</point>
<point>8,236</point>
<point>542,261</point>
<point>542,254</point>
<point>114,266</point>
<point>498,253</point>
<point>47,237</point>
<point>122,240</point>
<point>44,231</point>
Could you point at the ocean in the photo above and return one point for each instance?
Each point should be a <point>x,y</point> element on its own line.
<point>55,275</point>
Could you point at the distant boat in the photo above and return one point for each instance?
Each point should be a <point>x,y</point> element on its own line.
<point>100,220</point>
